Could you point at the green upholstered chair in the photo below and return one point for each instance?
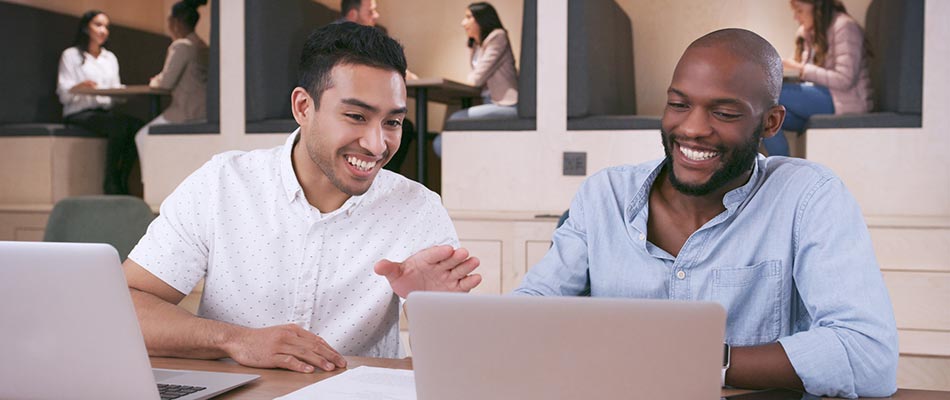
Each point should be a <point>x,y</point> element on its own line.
<point>116,220</point>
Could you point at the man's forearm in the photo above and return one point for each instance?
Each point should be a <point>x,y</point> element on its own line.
<point>171,331</point>
<point>761,367</point>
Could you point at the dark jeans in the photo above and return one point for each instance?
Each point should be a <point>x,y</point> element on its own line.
<point>801,101</point>
<point>121,154</point>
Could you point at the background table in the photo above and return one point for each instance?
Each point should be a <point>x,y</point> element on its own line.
<point>439,90</point>
<point>154,95</point>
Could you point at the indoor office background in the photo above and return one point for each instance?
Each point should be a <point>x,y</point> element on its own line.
<point>504,188</point>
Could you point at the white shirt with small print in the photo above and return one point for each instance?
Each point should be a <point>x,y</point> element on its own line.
<point>268,257</point>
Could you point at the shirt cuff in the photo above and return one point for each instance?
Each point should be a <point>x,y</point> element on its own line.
<point>821,362</point>
<point>809,72</point>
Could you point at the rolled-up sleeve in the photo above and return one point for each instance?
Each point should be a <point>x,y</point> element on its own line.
<point>850,347</point>
<point>175,248</point>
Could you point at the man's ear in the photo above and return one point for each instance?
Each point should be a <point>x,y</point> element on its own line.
<point>301,105</point>
<point>773,120</point>
<point>352,15</point>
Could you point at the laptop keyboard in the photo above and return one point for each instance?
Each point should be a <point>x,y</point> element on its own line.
<point>169,392</point>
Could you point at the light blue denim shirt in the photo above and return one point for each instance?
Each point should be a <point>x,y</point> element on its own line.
<point>790,260</point>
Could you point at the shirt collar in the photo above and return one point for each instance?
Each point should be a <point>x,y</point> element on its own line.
<point>731,200</point>
<point>292,188</point>
<point>737,196</point>
<point>287,174</point>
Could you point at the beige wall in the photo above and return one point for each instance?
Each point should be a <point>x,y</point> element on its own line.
<point>146,15</point>
<point>663,29</point>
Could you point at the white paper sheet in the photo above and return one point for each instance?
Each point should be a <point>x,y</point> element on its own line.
<point>361,383</point>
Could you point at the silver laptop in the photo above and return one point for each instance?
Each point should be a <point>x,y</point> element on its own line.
<point>69,330</point>
<point>521,347</point>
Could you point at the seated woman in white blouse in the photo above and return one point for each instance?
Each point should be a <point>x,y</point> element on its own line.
<point>88,64</point>
<point>185,73</point>
<point>493,67</point>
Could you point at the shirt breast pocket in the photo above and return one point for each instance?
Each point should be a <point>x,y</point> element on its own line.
<point>752,297</point>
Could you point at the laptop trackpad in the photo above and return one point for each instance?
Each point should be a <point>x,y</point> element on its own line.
<point>162,375</point>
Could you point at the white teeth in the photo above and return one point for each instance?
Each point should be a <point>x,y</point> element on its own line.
<point>697,155</point>
<point>360,164</point>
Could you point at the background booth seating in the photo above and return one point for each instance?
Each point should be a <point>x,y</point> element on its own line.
<point>274,37</point>
<point>42,160</point>
<point>527,84</point>
<point>895,31</point>
<point>601,84</point>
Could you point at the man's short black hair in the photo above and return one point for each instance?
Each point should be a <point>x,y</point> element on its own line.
<point>345,43</point>
<point>347,5</point>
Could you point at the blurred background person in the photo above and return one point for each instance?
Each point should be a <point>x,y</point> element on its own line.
<point>493,67</point>
<point>88,64</point>
<point>185,72</point>
<point>831,60</point>
<point>364,12</point>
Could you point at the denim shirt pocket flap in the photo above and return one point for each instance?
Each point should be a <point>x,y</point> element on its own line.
<point>751,296</point>
<point>745,276</point>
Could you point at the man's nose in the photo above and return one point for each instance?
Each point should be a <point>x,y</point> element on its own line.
<point>696,124</point>
<point>374,140</point>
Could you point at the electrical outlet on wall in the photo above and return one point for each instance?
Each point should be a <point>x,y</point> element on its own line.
<point>575,163</point>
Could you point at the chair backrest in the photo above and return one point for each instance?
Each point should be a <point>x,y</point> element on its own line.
<point>528,68</point>
<point>600,70</point>
<point>274,35</point>
<point>895,32</point>
<point>563,218</point>
<point>116,220</point>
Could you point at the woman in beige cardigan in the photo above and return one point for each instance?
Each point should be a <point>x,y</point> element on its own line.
<point>185,73</point>
<point>493,67</point>
<point>831,58</point>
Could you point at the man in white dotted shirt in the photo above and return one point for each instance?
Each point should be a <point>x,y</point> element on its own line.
<point>287,238</point>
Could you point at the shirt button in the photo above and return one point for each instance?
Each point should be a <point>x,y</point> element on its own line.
<point>681,274</point>
<point>642,237</point>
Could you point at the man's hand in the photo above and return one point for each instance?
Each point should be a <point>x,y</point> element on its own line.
<point>284,346</point>
<point>438,268</point>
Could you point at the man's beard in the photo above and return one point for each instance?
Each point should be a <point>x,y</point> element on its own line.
<point>737,161</point>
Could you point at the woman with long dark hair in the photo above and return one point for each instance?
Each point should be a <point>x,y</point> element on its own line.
<point>831,58</point>
<point>88,64</point>
<point>185,73</point>
<point>493,66</point>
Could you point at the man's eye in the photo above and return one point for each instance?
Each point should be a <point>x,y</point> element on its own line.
<point>395,123</point>
<point>675,105</point>
<point>726,116</point>
<point>356,117</point>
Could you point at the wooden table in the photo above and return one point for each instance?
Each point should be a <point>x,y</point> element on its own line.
<point>154,95</point>
<point>439,90</point>
<point>274,383</point>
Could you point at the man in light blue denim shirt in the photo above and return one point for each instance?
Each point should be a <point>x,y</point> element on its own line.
<point>779,242</point>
